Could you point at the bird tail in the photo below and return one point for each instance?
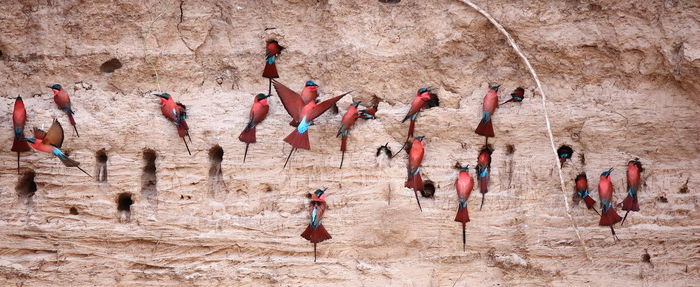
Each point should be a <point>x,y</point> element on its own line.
<point>316,235</point>
<point>183,129</point>
<point>462,214</point>
<point>630,203</point>
<point>485,127</point>
<point>344,143</point>
<point>415,182</point>
<point>484,184</point>
<point>70,118</point>
<point>68,162</point>
<point>270,70</point>
<point>411,127</point>
<point>298,140</point>
<point>590,202</point>
<point>20,145</point>
<point>609,217</point>
<point>248,135</point>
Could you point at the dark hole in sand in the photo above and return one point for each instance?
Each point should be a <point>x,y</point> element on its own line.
<point>26,187</point>
<point>510,149</point>
<point>646,257</point>
<point>149,157</point>
<point>428,189</point>
<point>216,154</point>
<point>124,202</point>
<point>110,66</point>
<point>101,156</point>
<point>73,210</point>
<point>389,1</point>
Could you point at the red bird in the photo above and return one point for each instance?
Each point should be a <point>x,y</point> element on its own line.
<point>177,114</point>
<point>258,112</point>
<point>425,98</point>
<point>51,142</point>
<point>315,232</point>
<point>303,114</point>
<point>415,158</point>
<point>485,127</point>
<point>349,119</point>
<point>605,192</point>
<point>634,169</point>
<point>581,190</point>
<point>464,185</point>
<point>272,51</point>
<point>310,92</point>
<point>60,96</point>
<point>516,96</point>
<point>19,119</point>
<point>483,172</point>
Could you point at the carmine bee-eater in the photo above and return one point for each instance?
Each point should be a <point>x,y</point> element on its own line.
<point>483,171</point>
<point>19,119</point>
<point>485,127</point>
<point>634,169</point>
<point>51,142</point>
<point>464,185</point>
<point>608,216</point>
<point>310,92</point>
<point>303,114</point>
<point>315,232</point>
<point>516,96</point>
<point>371,112</point>
<point>349,119</point>
<point>564,152</point>
<point>415,158</point>
<point>425,99</point>
<point>60,96</point>
<point>581,190</point>
<point>258,112</point>
<point>177,114</point>
<point>272,52</point>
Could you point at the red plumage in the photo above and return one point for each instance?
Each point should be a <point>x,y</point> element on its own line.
<point>298,140</point>
<point>272,51</point>
<point>462,215</point>
<point>411,127</point>
<point>247,135</point>
<point>590,202</point>
<point>183,129</point>
<point>316,235</point>
<point>485,128</point>
<point>415,182</point>
<point>19,119</point>
<point>609,217</point>
<point>490,105</point>
<point>270,71</point>
<point>630,203</point>
<point>343,143</point>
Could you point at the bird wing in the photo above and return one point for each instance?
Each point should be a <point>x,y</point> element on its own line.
<point>291,101</point>
<point>54,136</point>
<point>324,106</point>
<point>39,133</point>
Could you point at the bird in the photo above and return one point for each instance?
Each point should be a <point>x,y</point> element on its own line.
<point>415,158</point>
<point>634,168</point>
<point>464,185</point>
<point>490,105</point>
<point>608,215</point>
<point>483,171</point>
<point>581,190</point>
<point>425,99</point>
<point>303,114</point>
<point>349,119</point>
<point>51,142</point>
<point>272,50</point>
<point>310,92</point>
<point>177,114</point>
<point>371,112</point>
<point>518,95</point>
<point>564,152</point>
<point>315,232</point>
<point>258,112</point>
<point>60,96</point>
<point>19,119</point>
<point>386,150</point>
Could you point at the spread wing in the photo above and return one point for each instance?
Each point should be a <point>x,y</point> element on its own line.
<point>39,134</point>
<point>292,101</point>
<point>324,106</point>
<point>54,136</point>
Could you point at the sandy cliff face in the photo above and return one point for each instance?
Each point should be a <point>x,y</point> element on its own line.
<point>622,81</point>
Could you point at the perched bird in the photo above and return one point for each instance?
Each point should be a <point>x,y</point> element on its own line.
<point>384,149</point>
<point>310,92</point>
<point>425,99</point>
<point>177,114</point>
<point>518,95</point>
<point>581,190</point>
<point>258,112</point>
<point>371,112</point>
<point>19,119</point>
<point>564,152</point>
<point>415,158</point>
<point>485,127</point>
<point>303,114</point>
<point>315,232</point>
<point>464,185</point>
<point>483,171</point>
<point>272,51</point>
<point>349,119</point>
<point>634,169</point>
<point>51,142</point>
<point>60,96</point>
<point>608,216</point>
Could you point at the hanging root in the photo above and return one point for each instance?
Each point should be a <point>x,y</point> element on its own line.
<point>596,211</point>
<point>546,116</point>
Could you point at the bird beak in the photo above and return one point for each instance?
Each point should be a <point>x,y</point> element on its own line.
<point>267,96</point>
<point>609,171</point>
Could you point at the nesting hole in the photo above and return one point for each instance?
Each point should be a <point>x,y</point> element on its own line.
<point>389,1</point>
<point>582,158</point>
<point>149,157</point>
<point>73,210</point>
<point>124,202</point>
<point>684,187</point>
<point>101,166</point>
<point>428,189</point>
<point>662,199</point>
<point>510,149</point>
<point>148,177</point>
<point>110,66</point>
<point>26,187</point>
<point>646,258</point>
